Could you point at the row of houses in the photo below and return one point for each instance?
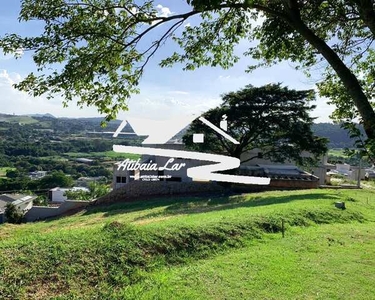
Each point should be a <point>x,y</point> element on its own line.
<point>285,173</point>
<point>282,176</point>
<point>170,137</point>
<point>56,196</point>
<point>24,203</point>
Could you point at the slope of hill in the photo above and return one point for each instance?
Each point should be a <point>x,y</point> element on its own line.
<point>337,136</point>
<point>24,120</point>
<point>198,248</point>
<point>42,115</point>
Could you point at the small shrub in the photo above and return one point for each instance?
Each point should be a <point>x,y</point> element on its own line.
<point>350,199</point>
<point>12,214</point>
<point>41,201</point>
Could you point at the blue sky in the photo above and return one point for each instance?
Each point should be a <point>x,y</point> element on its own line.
<point>165,92</point>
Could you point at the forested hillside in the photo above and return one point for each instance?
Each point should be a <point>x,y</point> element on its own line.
<point>45,143</point>
<point>338,137</point>
<point>40,142</point>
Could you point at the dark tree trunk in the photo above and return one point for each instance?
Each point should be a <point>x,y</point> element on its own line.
<point>349,80</point>
<point>367,13</point>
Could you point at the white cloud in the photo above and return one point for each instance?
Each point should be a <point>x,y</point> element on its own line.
<point>14,101</point>
<point>157,105</point>
<point>18,53</point>
<point>155,102</point>
<point>163,105</point>
<point>163,11</point>
<point>7,80</point>
<point>223,78</point>
<point>322,111</point>
<point>178,93</point>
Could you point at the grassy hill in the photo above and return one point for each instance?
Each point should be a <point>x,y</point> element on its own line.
<point>24,120</point>
<point>198,248</point>
<point>3,171</point>
<point>104,154</point>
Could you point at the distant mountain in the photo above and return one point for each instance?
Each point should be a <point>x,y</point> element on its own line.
<point>338,137</point>
<point>92,120</point>
<point>47,115</point>
<point>17,119</point>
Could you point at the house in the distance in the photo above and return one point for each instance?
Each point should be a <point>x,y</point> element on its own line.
<point>285,175</point>
<point>37,175</point>
<point>20,201</point>
<point>326,170</point>
<point>83,160</point>
<point>121,176</point>
<point>57,194</point>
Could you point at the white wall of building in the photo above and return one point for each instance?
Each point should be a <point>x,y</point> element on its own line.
<point>56,195</point>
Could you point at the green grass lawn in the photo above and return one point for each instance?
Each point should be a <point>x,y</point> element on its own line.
<point>337,152</point>
<point>198,248</point>
<point>45,124</point>
<point>3,171</point>
<point>18,119</point>
<point>105,154</point>
<point>54,157</point>
<point>333,261</point>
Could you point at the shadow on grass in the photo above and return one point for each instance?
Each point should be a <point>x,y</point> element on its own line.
<point>226,203</point>
<point>195,205</point>
<point>139,205</point>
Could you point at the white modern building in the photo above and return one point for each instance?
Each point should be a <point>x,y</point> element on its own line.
<point>121,176</point>
<point>22,202</point>
<point>57,194</point>
<point>37,175</point>
<point>254,164</point>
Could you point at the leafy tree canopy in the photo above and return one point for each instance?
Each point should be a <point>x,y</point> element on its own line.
<point>12,173</point>
<point>13,214</point>
<point>271,118</point>
<point>57,179</point>
<point>98,49</point>
<point>96,190</point>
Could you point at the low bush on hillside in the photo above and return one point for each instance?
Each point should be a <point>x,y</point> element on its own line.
<point>13,215</point>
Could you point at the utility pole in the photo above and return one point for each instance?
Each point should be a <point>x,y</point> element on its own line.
<point>359,174</point>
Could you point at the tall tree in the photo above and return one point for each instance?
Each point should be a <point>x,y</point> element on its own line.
<point>13,214</point>
<point>56,179</point>
<point>101,50</point>
<point>271,118</point>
